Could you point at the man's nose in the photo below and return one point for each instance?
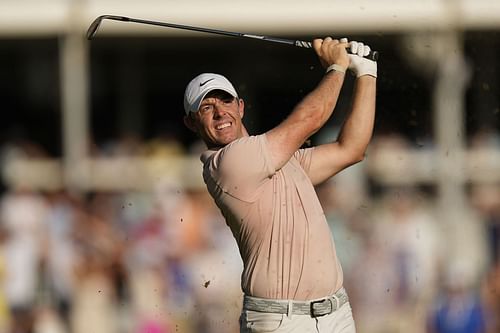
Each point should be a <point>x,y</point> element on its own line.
<point>219,110</point>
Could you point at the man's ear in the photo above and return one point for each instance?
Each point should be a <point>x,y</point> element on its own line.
<point>241,107</point>
<point>189,122</point>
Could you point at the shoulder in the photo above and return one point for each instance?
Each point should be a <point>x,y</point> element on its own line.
<point>240,149</point>
<point>246,156</point>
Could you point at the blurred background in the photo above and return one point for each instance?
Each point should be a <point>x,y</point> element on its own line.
<point>105,223</point>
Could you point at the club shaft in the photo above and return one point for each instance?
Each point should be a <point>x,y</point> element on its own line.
<point>95,26</point>
<point>96,23</point>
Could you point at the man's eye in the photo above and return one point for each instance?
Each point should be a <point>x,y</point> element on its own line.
<point>206,108</point>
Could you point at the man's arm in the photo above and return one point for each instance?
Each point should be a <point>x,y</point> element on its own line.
<point>329,159</point>
<point>315,109</point>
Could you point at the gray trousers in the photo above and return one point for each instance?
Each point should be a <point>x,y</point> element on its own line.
<point>339,321</point>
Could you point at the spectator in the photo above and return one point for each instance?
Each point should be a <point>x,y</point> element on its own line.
<point>22,214</point>
<point>459,309</point>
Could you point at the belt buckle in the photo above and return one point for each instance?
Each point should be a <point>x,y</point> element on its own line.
<point>316,310</point>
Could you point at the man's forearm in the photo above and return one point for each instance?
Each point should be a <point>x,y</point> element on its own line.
<point>358,127</point>
<point>320,103</point>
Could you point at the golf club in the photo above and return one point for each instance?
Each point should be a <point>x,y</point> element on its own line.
<point>92,30</point>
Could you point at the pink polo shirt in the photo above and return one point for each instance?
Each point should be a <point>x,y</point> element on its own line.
<point>277,220</point>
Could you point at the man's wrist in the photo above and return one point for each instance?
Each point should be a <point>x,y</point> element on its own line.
<point>336,68</point>
<point>373,75</point>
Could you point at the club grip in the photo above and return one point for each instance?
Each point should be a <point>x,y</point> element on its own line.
<point>373,55</point>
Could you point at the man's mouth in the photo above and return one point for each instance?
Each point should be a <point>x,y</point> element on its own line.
<point>222,126</point>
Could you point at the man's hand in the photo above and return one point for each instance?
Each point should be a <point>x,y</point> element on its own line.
<point>360,65</point>
<point>331,51</point>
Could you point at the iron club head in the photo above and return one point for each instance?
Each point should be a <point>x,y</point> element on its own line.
<point>92,30</point>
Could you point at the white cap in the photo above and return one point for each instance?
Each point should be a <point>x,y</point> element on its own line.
<point>201,85</point>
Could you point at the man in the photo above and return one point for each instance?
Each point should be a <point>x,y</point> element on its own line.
<point>264,186</point>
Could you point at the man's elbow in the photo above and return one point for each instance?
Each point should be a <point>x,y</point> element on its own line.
<point>356,160</point>
<point>357,156</point>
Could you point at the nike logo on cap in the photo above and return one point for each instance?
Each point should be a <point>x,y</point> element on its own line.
<point>203,83</point>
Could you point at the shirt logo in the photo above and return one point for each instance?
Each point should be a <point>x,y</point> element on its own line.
<point>203,83</point>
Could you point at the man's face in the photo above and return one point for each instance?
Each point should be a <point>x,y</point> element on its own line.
<point>218,120</point>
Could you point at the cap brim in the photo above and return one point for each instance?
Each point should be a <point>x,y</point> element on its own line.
<point>196,105</point>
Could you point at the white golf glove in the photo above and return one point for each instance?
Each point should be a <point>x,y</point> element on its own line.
<point>359,64</point>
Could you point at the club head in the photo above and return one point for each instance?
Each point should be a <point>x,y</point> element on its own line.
<point>92,30</point>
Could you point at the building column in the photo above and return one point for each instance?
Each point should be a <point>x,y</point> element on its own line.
<point>452,77</point>
<point>74,105</point>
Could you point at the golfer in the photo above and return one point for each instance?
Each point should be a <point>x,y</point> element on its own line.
<point>264,186</point>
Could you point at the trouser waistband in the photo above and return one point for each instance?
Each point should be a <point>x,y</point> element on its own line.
<point>314,308</point>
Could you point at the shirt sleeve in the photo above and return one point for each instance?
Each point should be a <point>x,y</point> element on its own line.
<point>304,157</point>
<point>242,167</point>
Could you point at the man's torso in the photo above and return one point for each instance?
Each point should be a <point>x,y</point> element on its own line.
<point>277,220</point>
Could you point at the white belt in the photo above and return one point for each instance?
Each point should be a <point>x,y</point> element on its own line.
<point>314,308</point>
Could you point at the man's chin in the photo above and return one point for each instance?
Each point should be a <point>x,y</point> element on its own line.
<point>219,143</point>
<point>222,141</point>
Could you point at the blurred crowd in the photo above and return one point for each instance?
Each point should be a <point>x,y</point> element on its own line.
<point>163,261</point>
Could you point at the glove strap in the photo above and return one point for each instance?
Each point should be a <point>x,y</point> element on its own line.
<point>335,67</point>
